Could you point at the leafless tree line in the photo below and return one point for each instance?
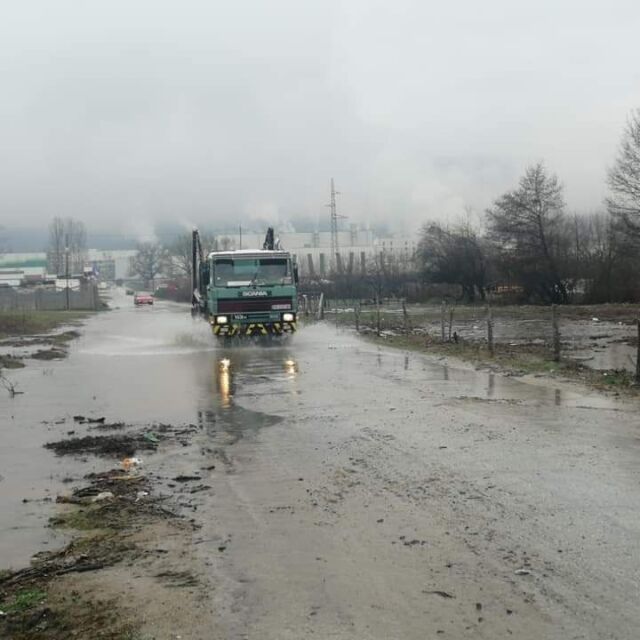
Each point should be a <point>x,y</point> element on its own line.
<point>67,249</point>
<point>530,249</point>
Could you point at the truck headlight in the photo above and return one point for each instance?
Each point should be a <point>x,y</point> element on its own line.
<point>288,317</point>
<point>222,319</point>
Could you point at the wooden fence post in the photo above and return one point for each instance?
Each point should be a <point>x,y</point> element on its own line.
<point>442,315</point>
<point>490,331</point>
<point>638,354</point>
<point>356,313</point>
<point>556,333</point>
<point>405,315</point>
<point>320,314</point>
<point>378,315</point>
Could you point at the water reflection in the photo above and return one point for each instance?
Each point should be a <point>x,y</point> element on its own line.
<point>224,382</point>
<point>251,371</point>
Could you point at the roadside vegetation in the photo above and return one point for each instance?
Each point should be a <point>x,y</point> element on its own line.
<point>462,332</point>
<point>29,323</point>
<point>107,515</point>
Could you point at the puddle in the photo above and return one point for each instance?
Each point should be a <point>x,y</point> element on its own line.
<point>164,367</point>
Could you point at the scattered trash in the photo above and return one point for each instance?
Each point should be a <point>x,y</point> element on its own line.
<point>85,420</point>
<point>186,478</point>
<point>141,494</point>
<point>151,437</point>
<point>104,495</point>
<point>442,594</point>
<point>522,572</point>
<point>128,463</point>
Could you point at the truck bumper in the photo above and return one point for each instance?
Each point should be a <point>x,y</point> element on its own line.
<point>254,329</point>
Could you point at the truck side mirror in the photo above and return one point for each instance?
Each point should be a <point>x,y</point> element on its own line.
<point>295,273</point>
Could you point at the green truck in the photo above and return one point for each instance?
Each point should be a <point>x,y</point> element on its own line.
<point>245,293</point>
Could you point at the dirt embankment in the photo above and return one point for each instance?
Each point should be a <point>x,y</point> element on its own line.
<point>119,518</point>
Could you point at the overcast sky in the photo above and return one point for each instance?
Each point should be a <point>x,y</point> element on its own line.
<point>127,112</point>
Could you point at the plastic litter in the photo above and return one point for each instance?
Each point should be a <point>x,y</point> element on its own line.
<point>522,572</point>
<point>151,437</point>
<point>128,463</point>
<point>104,495</point>
<point>141,494</point>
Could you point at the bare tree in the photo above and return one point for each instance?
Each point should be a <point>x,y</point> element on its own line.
<point>149,261</point>
<point>453,255</point>
<point>180,257</point>
<point>624,178</point>
<point>529,227</point>
<point>67,239</point>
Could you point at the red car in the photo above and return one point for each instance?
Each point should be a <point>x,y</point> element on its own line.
<point>142,298</point>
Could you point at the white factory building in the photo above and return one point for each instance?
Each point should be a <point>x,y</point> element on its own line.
<point>313,251</point>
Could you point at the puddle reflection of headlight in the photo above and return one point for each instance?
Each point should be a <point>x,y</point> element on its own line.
<point>290,367</point>
<point>224,387</point>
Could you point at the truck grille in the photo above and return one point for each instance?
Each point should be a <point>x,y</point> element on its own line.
<point>247,306</point>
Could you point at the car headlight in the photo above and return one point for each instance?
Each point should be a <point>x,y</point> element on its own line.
<point>222,319</point>
<point>288,317</point>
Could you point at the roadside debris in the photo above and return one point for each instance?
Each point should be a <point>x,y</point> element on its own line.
<point>49,354</point>
<point>442,594</point>
<point>103,495</point>
<point>128,463</point>
<point>111,445</point>
<point>85,420</point>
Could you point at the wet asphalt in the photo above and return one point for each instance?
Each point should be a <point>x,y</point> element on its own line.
<point>357,491</point>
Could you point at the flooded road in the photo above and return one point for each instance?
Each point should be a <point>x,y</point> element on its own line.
<point>357,492</point>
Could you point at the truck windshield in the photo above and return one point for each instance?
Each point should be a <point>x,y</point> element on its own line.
<point>238,272</point>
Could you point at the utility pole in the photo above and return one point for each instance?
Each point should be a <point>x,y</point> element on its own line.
<point>335,248</point>
<point>240,229</point>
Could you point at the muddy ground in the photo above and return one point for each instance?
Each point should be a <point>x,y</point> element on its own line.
<point>598,344</point>
<point>330,488</point>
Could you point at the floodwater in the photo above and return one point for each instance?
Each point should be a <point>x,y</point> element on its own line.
<point>597,344</point>
<point>352,483</point>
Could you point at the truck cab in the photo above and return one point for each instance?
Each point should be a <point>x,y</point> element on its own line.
<point>251,292</point>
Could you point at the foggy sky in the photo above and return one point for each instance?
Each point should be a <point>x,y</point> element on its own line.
<point>123,113</point>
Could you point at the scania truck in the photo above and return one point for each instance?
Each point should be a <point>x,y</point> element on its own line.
<point>245,292</point>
